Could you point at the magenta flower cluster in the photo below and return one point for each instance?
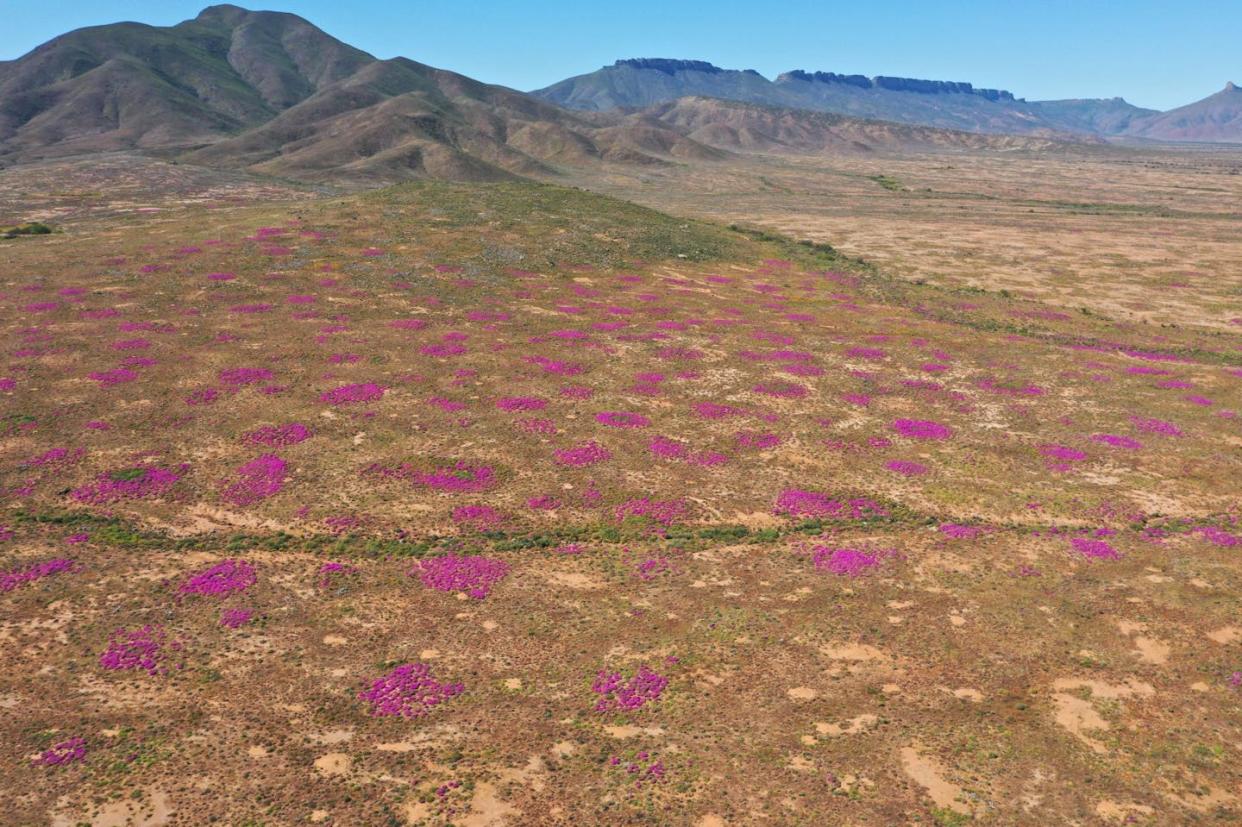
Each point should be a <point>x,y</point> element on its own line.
<point>279,436</point>
<point>245,376</point>
<point>235,618</point>
<point>10,580</point>
<point>461,478</point>
<point>959,531</point>
<point>845,562</point>
<point>128,484</point>
<point>328,572</point>
<point>473,574</point>
<point>1098,549</point>
<point>617,693</point>
<point>256,480</point>
<point>145,648</point>
<point>408,691</point>
<point>580,456</point>
<point>664,512</point>
<point>221,580</point>
<point>922,429</point>
<point>645,768</point>
<point>797,502</point>
<point>66,752</point>
<point>478,517</point>
<point>521,403</point>
<point>622,419</point>
<point>349,394</point>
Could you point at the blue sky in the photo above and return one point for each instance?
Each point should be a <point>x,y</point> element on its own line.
<point>1152,52</point>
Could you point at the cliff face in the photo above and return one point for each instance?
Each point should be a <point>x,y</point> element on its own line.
<point>895,84</point>
<point>669,66</point>
<point>643,82</point>
<point>958,105</point>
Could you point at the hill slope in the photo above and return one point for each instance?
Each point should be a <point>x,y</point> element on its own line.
<point>946,104</point>
<point>740,126</point>
<point>629,84</point>
<point>398,119</point>
<point>270,92</point>
<point>1217,119</point>
<point>130,85</point>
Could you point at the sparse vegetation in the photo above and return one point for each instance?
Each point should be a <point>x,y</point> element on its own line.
<point>674,468</point>
<point>29,228</point>
<point>889,183</point>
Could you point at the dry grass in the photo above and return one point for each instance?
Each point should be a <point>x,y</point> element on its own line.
<point>991,672</point>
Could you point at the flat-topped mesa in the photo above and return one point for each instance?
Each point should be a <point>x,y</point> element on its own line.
<point>894,84</point>
<point>861,81</point>
<point>669,65</point>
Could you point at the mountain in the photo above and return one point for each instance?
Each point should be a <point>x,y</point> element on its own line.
<point>737,126</point>
<point>1217,119</point>
<point>130,85</point>
<point>946,104</point>
<point>396,119</point>
<point>270,92</point>
<point>1100,116</point>
<point>635,84</point>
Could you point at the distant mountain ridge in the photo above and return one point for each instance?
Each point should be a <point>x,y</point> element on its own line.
<point>271,93</point>
<point>947,104</point>
<point>922,87</point>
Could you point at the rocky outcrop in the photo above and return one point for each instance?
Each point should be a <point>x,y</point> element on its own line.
<point>894,84</point>
<point>669,66</point>
<point>861,81</point>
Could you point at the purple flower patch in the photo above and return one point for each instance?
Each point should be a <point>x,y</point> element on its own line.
<point>117,376</point>
<point>235,618</point>
<point>1155,426</point>
<point>617,693</point>
<point>1098,549</point>
<point>473,574</point>
<point>622,419</point>
<point>15,578</point>
<point>1117,441</point>
<point>957,531</point>
<point>922,429</point>
<point>279,436</point>
<point>845,562</point>
<point>521,403</point>
<point>349,394</point>
<point>128,484</point>
<point>664,512</point>
<point>66,752</point>
<point>906,468</point>
<point>143,649</point>
<point>245,376</point>
<point>408,691</point>
<point>256,480</point>
<point>461,478</point>
<point>221,580</point>
<point>1063,453</point>
<point>580,456</point>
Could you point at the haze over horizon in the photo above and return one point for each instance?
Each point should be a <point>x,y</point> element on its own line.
<point>1060,50</point>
